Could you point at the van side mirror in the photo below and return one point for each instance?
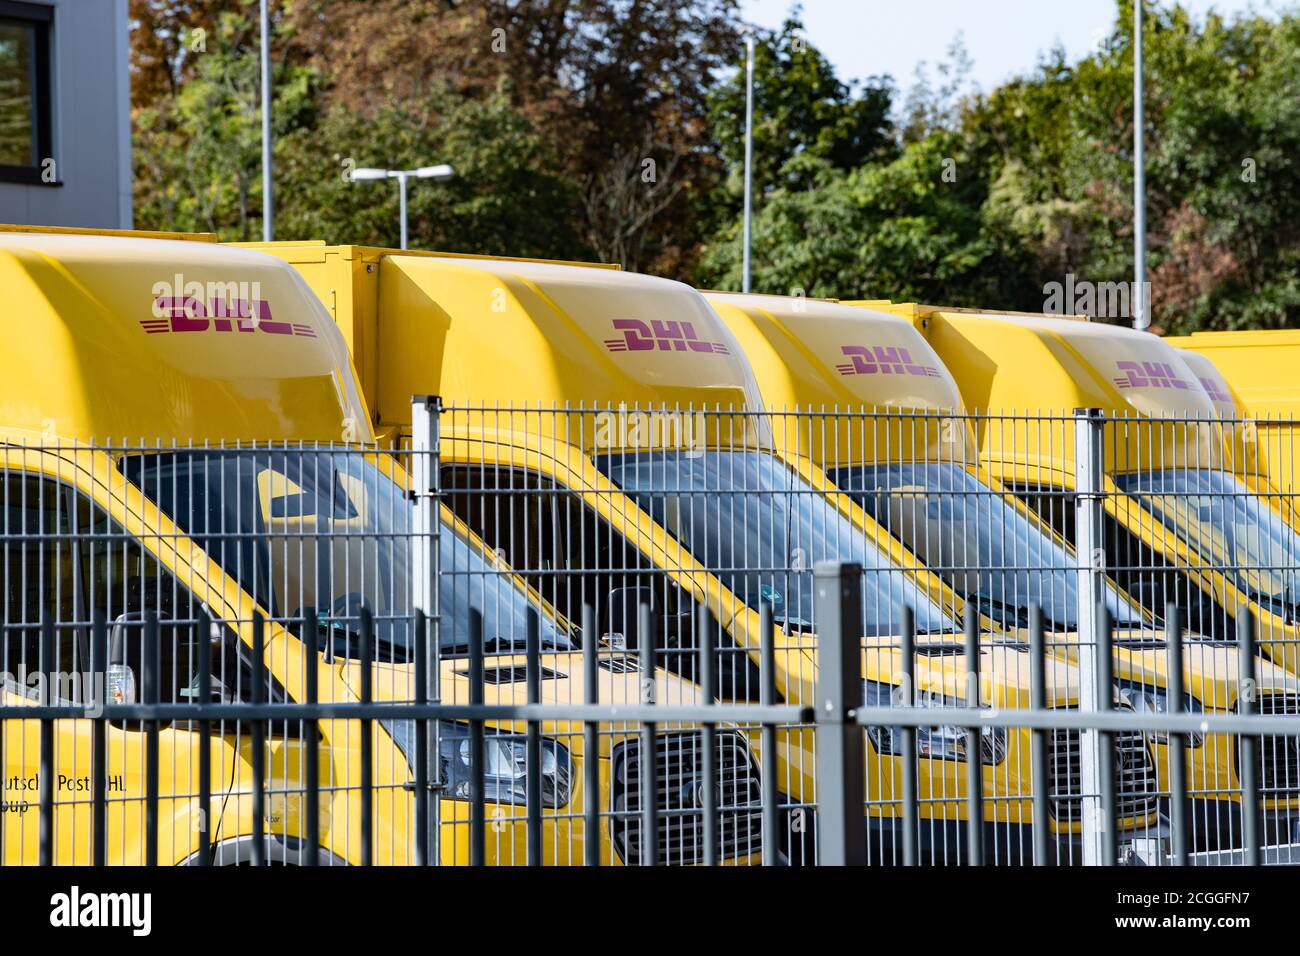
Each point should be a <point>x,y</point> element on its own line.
<point>622,616</point>
<point>125,654</point>
<point>126,650</point>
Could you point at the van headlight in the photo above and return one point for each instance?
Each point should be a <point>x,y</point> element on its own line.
<point>505,761</point>
<point>944,742</point>
<point>1146,699</point>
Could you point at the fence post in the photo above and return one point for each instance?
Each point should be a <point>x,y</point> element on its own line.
<point>426,414</point>
<point>841,817</point>
<point>1090,561</point>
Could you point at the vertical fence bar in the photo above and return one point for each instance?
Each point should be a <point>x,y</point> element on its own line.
<point>1177,741</point>
<point>910,797</point>
<point>426,414</point>
<point>99,749</point>
<point>533,769</point>
<point>1090,558</point>
<point>649,756</point>
<point>477,746</point>
<point>767,697</point>
<point>311,737</point>
<point>45,664</point>
<point>591,740</point>
<point>704,647</point>
<point>367,649</point>
<point>837,607</point>
<point>1248,742</point>
<point>1038,759</point>
<point>1105,690</point>
<point>151,696</point>
<point>258,735</point>
<point>419,623</point>
<point>205,739</point>
<point>974,747</point>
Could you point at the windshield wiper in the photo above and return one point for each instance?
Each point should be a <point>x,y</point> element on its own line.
<point>1006,611</point>
<point>503,645</point>
<point>1281,604</point>
<point>340,639</point>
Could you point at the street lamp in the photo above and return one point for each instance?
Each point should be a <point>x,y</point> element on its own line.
<point>440,173</point>
<point>1142,317</point>
<point>749,159</point>
<point>268,196</point>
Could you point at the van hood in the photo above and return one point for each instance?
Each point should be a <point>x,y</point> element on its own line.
<point>504,682</point>
<point>1006,674</point>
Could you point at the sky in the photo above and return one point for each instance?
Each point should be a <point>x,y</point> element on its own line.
<point>1003,37</point>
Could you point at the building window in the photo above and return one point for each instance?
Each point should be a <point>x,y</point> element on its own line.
<point>25,114</point>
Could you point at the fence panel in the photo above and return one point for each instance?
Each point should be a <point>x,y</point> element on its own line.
<point>671,636</point>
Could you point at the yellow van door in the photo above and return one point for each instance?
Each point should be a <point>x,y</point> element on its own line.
<point>65,559</point>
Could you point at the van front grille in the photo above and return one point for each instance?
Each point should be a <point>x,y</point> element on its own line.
<point>1279,757</point>
<point>680,778</point>
<point>1136,789</point>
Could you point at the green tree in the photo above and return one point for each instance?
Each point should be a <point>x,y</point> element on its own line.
<point>197,155</point>
<point>908,229</point>
<point>801,108</point>
<point>508,197</point>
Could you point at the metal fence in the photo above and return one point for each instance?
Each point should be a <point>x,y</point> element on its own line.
<point>657,636</point>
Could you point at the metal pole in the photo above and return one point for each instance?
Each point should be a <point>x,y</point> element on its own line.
<point>1141,317</point>
<point>841,750</point>
<point>268,196</point>
<point>425,416</point>
<point>749,156</point>
<point>1090,564</point>
<point>1248,743</point>
<point>401,192</point>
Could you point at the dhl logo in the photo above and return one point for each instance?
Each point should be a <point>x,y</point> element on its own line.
<point>882,360</point>
<point>1149,375</point>
<point>666,335</point>
<point>1217,390</point>
<point>191,314</point>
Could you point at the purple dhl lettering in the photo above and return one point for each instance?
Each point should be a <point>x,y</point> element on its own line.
<point>883,360</point>
<point>189,314</point>
<point>1217,390</point>
<point>1149,375</point>
<point>666,335</point>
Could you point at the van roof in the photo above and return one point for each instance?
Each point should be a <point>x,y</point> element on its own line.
<point>119,233</point>
<point>129,336</point>
<point>1221,395</point>
<point>1015,362</point>
<point>1259,366</point>
<point>818,355</point>
<point>812,353</point>
<point>492,331</point>
<point>315,250</point>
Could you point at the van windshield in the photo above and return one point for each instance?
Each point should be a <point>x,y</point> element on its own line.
<point>1228,527</point>
<point>760,528</point>
<point>326,529</point>
<point>975,540</point>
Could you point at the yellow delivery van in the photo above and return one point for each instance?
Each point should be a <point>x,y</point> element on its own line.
<point>184,435</point>
<point>1252,376</point>
<point>1177,526</point>
<point>914,467</point>
<point>657,475</point>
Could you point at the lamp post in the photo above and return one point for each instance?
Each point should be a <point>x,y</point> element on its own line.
<point>268,198</point>
<point>440,173</point>
<point>1141,316</point>
<point>749,157</point>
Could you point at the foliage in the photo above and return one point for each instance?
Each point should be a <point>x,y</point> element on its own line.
<point>613,129</point>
